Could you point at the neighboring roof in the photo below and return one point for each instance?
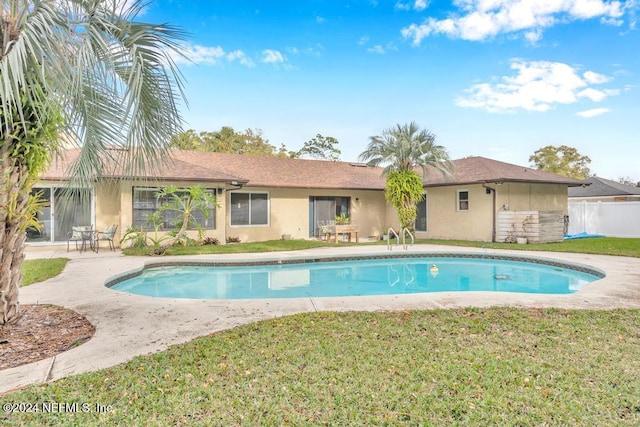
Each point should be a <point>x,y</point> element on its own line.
<point>281,172</point>
<point>476,170</point>
<point>601,187</point>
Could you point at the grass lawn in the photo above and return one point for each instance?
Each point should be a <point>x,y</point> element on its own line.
<point>603,246</point>
<point>499,366</point>
<point>496,366</point>
<point>37,270</point>
<point>268,246</point>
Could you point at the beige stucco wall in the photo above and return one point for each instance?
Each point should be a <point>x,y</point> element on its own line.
<point>528,197</point>
<point>289,209</point>
<point>289,213</point>
<point>107,207</point>
<point>445,221</point>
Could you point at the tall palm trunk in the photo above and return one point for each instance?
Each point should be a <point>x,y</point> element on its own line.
<point>14,195</point>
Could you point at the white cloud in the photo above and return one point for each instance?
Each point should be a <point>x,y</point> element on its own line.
<point>537,86</point>
<point>593,112</point>
<point>391,46</point>
<point>418,5</point>
<point>313,50</point>
<point>592,94</point>
<point>238,55</point>
<point>209,55</point>
<point>533,36</point>
<point>363,40</point>
<point>376,49</point>
<point>197,54</point>
<point>595,78</point>
<point>483,19</point>
<point>380,49</point>
<point>271,56</point>
<point>320,20</point>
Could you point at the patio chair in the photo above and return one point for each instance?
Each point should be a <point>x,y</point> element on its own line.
<point>78,234</point>
<point>322,230</point>
<point>107,235</point>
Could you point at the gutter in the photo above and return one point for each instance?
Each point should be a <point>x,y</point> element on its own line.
<point>493,211</point>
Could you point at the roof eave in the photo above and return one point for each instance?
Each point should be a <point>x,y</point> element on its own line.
<point>502,181</point>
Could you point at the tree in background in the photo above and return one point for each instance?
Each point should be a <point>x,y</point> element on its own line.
<point>229,141</point>
<point>628,181</point>
<point>562,160</point>
<point>88,70</point>
<point>402,149</point>
<point>283,151</point>
<point>320,147</point>
<point>187,140</point>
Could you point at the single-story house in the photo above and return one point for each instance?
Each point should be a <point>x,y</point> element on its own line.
<point>604,190</point>
<point>264,198</point>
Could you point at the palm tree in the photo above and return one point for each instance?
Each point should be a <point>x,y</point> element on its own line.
<point>401,150</point>
<point>83,72</point>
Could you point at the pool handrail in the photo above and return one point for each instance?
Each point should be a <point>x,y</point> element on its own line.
<point>389,233</point>
<point>406,231</point>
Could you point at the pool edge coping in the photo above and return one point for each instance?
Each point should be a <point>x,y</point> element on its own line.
<point>303,259</point>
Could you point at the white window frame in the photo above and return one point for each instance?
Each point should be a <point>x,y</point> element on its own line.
<point>458,201</point>
<point>268,223</point>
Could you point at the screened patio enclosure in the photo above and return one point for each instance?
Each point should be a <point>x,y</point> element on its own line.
<point>63,209</point>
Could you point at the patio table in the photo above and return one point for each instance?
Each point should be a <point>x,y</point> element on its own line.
<point>88,237</point>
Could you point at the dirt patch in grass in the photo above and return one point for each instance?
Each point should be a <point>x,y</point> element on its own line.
<point>43,331</point>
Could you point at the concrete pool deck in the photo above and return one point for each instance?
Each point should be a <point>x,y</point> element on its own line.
<point>130,325</point>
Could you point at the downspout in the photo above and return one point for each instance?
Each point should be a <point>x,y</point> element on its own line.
<point>221,193</point>
<point>493,212</point>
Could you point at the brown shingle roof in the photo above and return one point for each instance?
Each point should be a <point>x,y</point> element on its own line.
<point>175,169</point>
<point>289,173</point>
<point>474,170</point>
<point>298,173</point>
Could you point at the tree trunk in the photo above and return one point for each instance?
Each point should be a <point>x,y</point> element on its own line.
<point>172,241</point>
<point>14,195</point>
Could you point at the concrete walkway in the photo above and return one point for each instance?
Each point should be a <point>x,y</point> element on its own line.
<point>129,325</point>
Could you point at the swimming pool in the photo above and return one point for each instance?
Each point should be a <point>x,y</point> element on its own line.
<point>341,277</point>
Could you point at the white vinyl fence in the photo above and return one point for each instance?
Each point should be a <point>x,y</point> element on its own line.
<point>613,219</point>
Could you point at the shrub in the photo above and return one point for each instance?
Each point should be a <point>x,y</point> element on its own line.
<point>210,241</point>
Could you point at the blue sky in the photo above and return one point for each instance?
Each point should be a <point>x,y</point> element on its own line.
<point>493,78</point>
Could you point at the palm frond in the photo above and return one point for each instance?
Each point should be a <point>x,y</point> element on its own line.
<point>112,77</point>
<point>405,147</point>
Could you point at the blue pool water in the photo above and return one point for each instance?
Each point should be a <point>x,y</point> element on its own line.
<point>381,276</point>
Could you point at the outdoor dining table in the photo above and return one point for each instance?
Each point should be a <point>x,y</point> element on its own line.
<point>337,230</point>
<point>88,238</point>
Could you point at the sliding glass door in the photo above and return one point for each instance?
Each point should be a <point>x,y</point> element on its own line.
<point>62,209</point>
<point>421,219</point>
<point>323,209</point>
